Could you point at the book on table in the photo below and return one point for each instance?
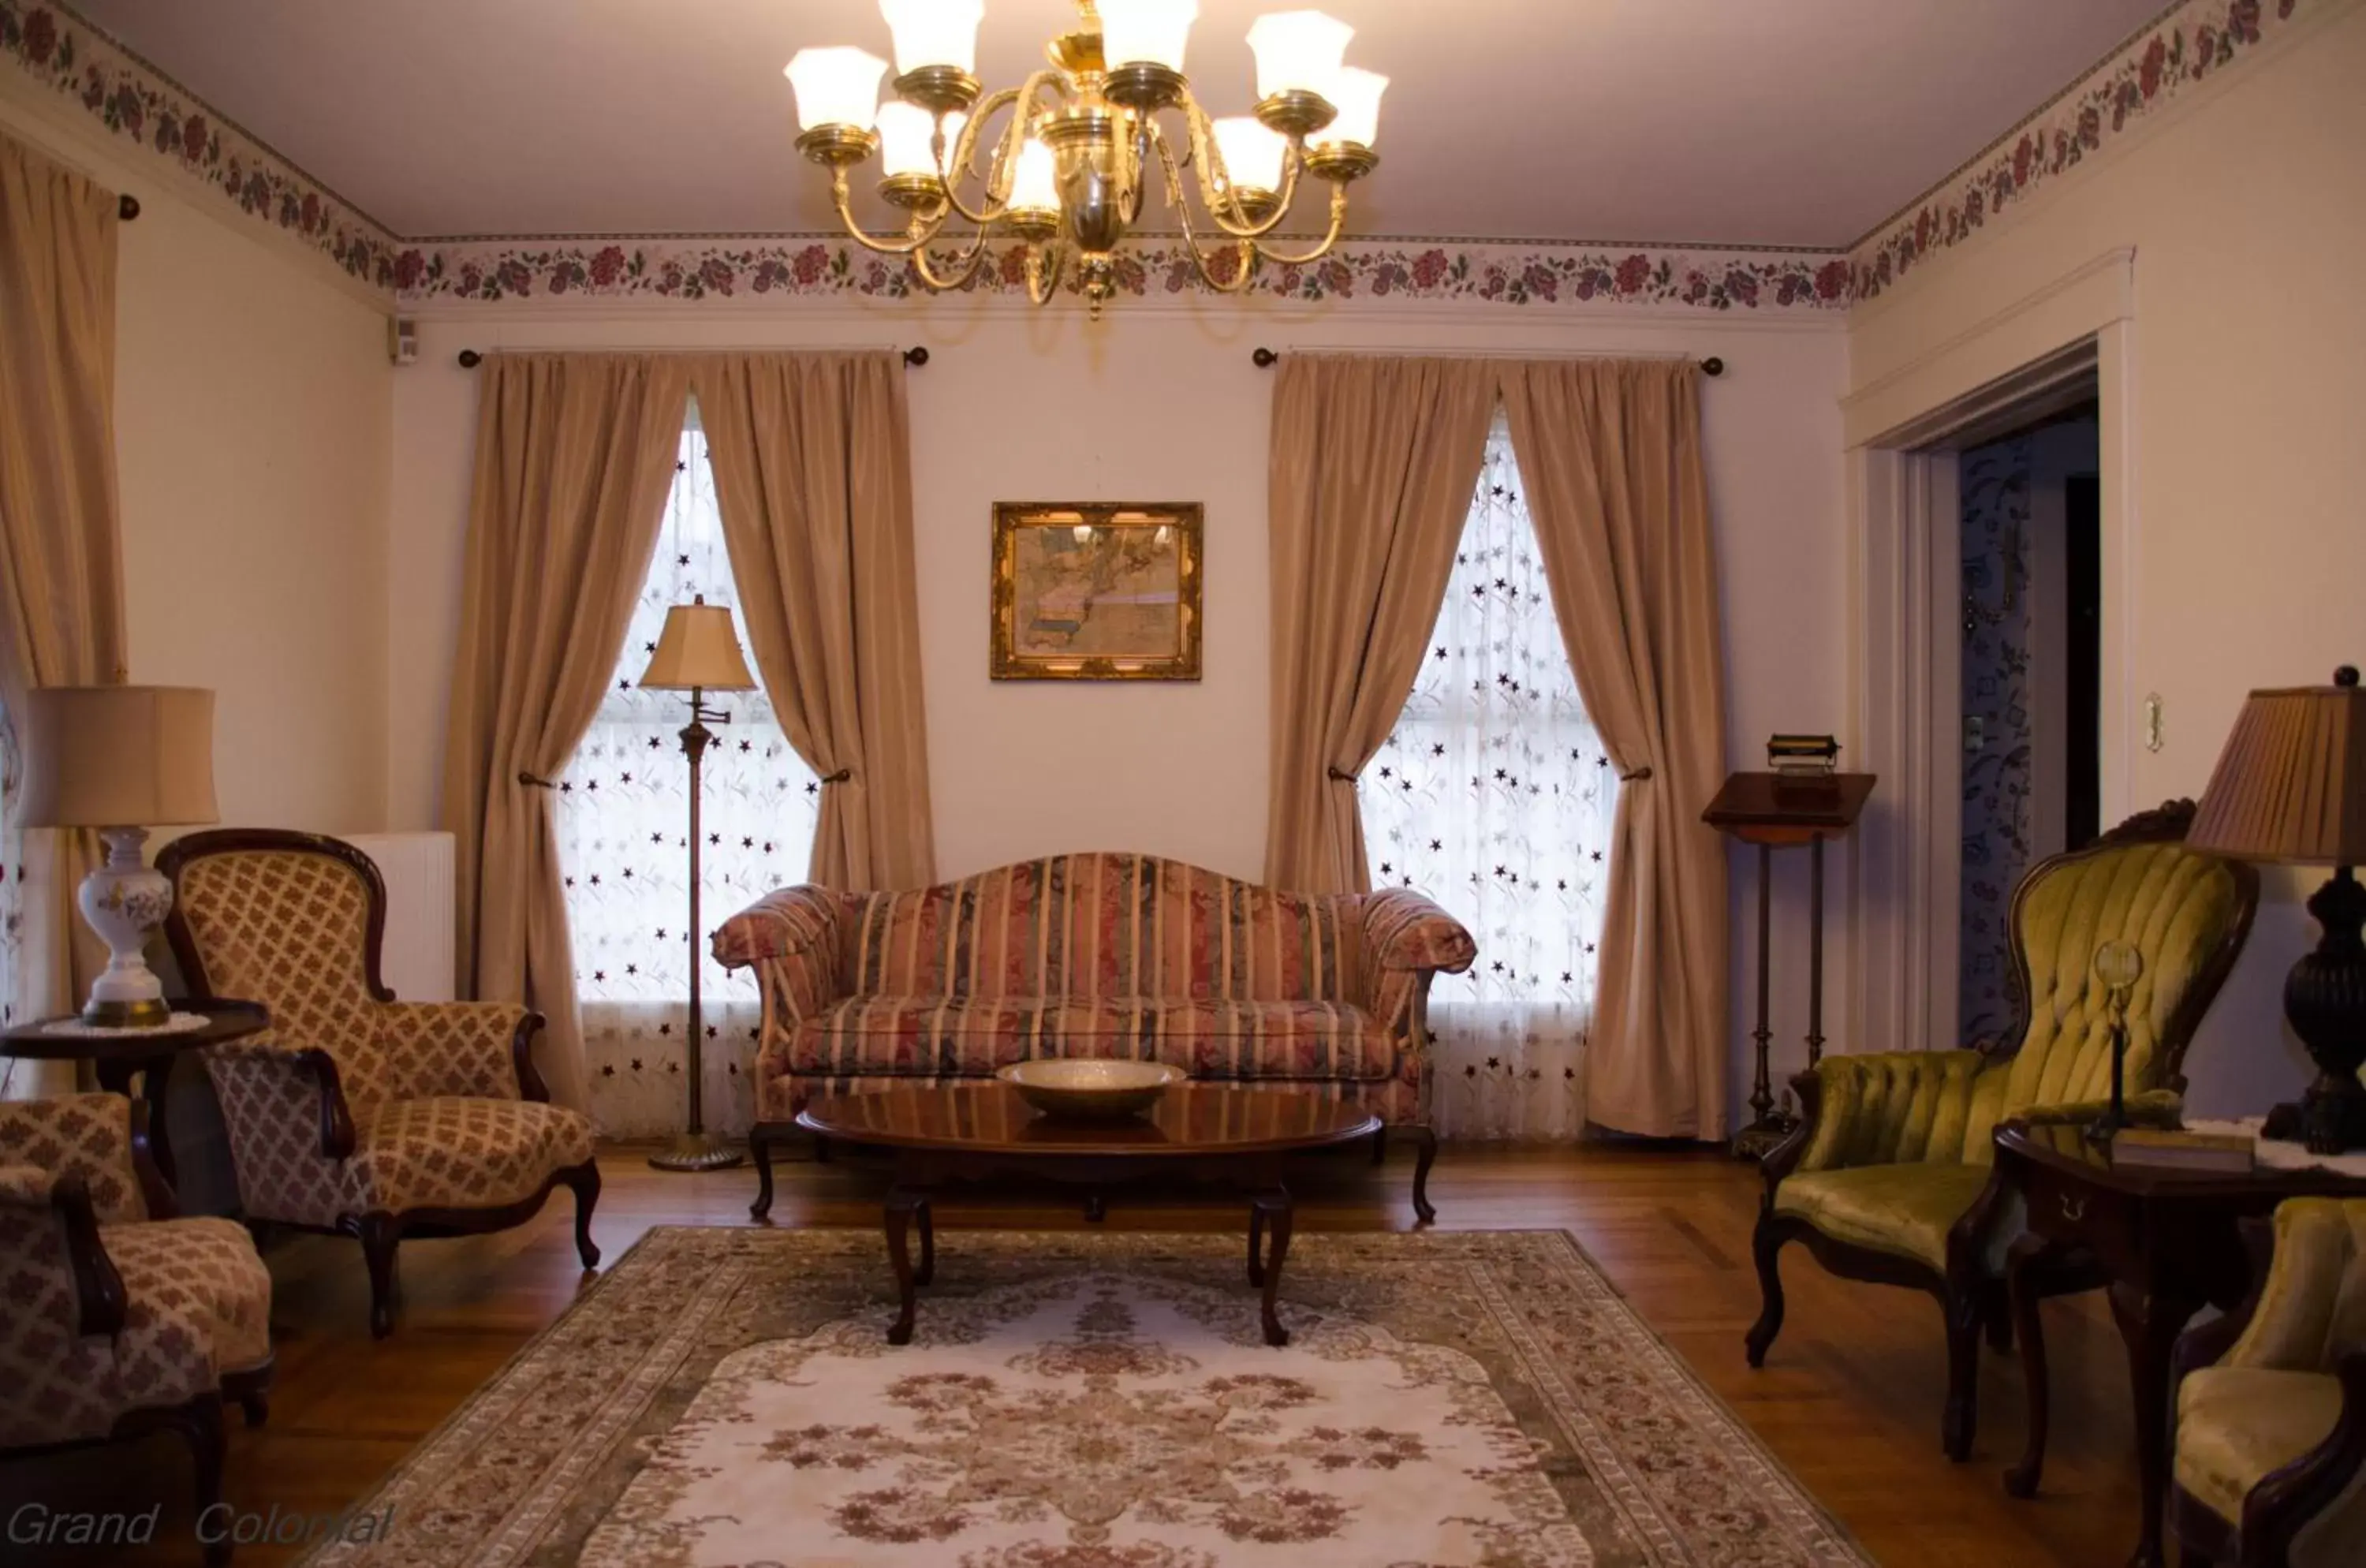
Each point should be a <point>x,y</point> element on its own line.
<point>2157,1149</point>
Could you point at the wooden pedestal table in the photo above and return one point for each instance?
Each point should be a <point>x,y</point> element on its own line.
<point>118,1055</point>
<point>1231,1137</point>
<point>1774,810</point>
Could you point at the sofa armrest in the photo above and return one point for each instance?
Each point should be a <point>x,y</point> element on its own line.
<point>476,1050</point>
<point>260,1082</point>
<point>792,936</point>
<point>1402,930</point>
<point>49,1226</point>
<point>1877,1108</point>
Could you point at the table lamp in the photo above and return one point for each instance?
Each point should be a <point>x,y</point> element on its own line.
<point>2291,787</point>
<point>697,652</point>
<point>122,760</point>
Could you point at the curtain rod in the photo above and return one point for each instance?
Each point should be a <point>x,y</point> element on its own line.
<point>127,208</point>
<point>470,358</point>
<point>1265,358</point>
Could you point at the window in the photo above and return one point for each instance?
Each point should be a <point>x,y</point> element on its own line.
<point>623,817</point>
<point>1495,798</point>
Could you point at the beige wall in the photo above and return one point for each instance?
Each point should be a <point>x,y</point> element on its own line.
<point>253,416</point>
<point>1158,402</point>
<point>2246,213</point>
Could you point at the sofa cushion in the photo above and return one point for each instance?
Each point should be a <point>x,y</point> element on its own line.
<point>1904,1209</point>
<point>1209,1038</point>
<point>2237,1425</point>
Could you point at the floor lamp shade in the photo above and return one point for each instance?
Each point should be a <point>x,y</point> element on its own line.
<point>122,760</point>
<point>2291,786</point>
<point>698,650</point>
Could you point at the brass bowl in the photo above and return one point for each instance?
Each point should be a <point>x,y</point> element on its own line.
<point>1088,1088</point>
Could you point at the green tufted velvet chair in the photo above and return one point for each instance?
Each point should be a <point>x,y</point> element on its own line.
<point>1888,1178</point>
<point>2271,1403</point>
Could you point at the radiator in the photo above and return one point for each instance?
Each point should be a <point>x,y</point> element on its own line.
<point>419,955</point>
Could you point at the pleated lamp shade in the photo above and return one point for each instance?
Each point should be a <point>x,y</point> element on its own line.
<point>698,650</point>
<point>2291,785</point>
<point>117,756</point>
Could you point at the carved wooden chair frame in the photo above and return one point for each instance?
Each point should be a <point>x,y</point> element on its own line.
<point>380,1232</point>
<point>1971,1298</point>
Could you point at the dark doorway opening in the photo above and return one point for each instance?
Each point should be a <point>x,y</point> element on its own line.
<point>2083,661</point>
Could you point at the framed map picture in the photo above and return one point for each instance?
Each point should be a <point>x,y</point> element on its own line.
<point>1095,592</point>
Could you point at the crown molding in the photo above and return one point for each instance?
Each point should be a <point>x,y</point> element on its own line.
<point>2173,65</point>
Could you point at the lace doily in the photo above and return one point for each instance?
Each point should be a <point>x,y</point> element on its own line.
<point>179,1023</point>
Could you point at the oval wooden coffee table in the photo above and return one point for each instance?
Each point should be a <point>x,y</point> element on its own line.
<point>958,1133</point>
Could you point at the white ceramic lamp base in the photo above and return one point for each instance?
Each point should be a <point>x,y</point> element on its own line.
<point>125,901</point>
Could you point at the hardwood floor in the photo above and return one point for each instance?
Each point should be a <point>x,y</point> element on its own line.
<point>1849,1399</point>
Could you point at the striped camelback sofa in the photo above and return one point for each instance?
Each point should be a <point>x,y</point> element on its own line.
<point>1092,955</point>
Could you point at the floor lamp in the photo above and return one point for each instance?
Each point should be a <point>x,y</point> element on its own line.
<point>698,652</point>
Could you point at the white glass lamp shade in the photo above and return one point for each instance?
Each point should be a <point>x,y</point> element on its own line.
<point>835,86</point>
<point>907,139</point>
<point>1135,32</point>
<point>1252,155</point>
<point>1357,97</point>
<point>934,33</point>
<point>1036,183</point>
<point>1297,51</point>
<point>698,650</point>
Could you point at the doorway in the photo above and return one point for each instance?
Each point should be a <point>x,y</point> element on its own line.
<point>2031,582</point>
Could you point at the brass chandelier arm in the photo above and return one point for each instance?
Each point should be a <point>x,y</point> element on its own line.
<point>923,229</point>
<point>1209,159</point>
<point>1244,254</point>
<point>964,268</point>
<point>1043,276</point>
<point>1338,221</point>
<point>1021,101</point>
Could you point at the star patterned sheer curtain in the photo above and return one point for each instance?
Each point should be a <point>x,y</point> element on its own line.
<point>1495,796</point>
<point>624,814</point>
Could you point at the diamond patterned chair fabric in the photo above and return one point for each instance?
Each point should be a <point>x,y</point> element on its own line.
<point>193,1302</point>
<point>355,1112</point>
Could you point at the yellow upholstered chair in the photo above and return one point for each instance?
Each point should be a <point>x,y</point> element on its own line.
<point>2272,1432</point>
<point>117,1318</point>
<point>1888,1176</point>
<point>356,1114</point>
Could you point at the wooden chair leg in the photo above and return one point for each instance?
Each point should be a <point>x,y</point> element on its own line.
<point>200,1425</point>
<point>760,1149</point>
<point>380,1234</point>
<point>1766,1250</point>
<point>1960,1419</point>
<point>585,1180</point>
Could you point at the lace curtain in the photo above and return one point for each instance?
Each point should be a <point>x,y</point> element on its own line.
<point>623,817</point>
<point>1495,796</point>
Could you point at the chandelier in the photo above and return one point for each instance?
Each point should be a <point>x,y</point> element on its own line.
<point>1067,174</point>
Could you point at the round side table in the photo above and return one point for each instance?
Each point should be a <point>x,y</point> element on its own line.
<point>147,1052</point>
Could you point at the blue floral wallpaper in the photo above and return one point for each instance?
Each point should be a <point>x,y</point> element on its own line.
<point>1997,817</point>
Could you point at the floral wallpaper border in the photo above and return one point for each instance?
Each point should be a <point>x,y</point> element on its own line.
<point>75,59</point>
<point>2195,43</point>
<point>822,267</point>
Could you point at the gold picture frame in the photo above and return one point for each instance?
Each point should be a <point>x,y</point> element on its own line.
<point>1095,591</point>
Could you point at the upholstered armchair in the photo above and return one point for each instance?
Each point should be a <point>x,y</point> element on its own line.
<point>2270,1465</point>
<point>119,1319</point>
<point>356,1114</point>
<point>1889,1178</point>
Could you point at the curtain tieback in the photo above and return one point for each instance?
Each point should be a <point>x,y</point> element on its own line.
<point>839,778</point>
<point>531,782</point>
<point>1634,775</point>
<point>1341,775</point>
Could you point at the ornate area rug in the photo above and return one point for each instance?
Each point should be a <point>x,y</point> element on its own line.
<point>725,1397</point>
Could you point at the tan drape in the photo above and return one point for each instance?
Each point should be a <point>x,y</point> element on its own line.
<point>812,457</point>
<point>1611,455</point>
<point>574,456</point>
<point>61,542</point>
<point>1372,464</point>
